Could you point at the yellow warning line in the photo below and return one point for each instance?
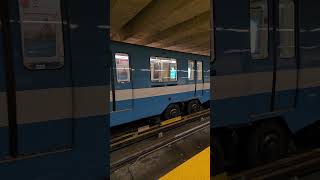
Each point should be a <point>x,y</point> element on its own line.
<point>170,121</point>
<point>124,136</point>
<point>196,168</point>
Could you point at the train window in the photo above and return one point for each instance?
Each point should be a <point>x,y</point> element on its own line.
<point>41,32</point>
<point>122,67</point>
<point>286,28</point>
<point>191,70</point>
<point>259,29</point>
<point>163,69</point>
<point>199,70</point>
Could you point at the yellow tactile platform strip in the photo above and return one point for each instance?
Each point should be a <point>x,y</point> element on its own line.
<point>196,168</point>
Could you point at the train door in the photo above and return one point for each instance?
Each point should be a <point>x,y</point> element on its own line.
<point>192,75</point>
<point>255,65</point>
<point>199,78</point>
<point>4,123</point>
<point>274,65</point>
<point>261,63</point>
<point>285,59</point>
<point>123,92</point>
<point>42,76</point>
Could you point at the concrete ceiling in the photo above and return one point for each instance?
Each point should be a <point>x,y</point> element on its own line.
<point>180,25</point>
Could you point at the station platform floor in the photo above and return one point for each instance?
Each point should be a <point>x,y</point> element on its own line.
<point>196,168</point>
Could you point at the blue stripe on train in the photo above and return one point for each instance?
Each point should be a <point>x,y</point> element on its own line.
<point>88,159</point>
<point>306,113</point>
<point>48,135</point>
<point>151,106</point>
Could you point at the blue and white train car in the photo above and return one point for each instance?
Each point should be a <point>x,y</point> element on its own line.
<point>149,82</point>
<point>265,76</point>
<point>53,89</point>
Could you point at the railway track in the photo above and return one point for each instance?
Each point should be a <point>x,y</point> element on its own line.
<point>144,132</point>
<point>288,168</point>
<point>120,143</point>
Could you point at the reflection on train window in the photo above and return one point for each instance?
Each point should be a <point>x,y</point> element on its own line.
<point>163,69</point>
<point>191,70</point>
<point>259,29</point>
<point>122,67</point>
<point>42,36</point>
<point>199,70</point>
<point>287,29</point>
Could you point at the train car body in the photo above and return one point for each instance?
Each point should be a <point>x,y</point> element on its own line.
<point>265,74</point>
<point>53,89</point>
<point>150,81</point>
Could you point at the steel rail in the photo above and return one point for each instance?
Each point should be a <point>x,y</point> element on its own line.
<point>295,166</point>
<point>136,136</point>
<point>135,157</point>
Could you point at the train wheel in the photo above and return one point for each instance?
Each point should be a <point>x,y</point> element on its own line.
<point>172,111</point>
<point>193,106</point>
<point>268,142</point>
<point>216,157</point>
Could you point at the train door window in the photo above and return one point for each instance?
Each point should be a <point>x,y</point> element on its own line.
<point>199,70</point>
<point>122,67</point>
<point>286,29</point>
<point>259,29</point>
<point>41,32</point>
<point>163,69</point>
<point>191,70</point>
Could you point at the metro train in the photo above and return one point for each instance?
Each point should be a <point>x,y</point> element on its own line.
<point>148,82</point>
<point>53,89</point>
<point>265,70</point>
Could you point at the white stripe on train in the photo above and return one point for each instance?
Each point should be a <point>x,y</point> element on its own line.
<point>128,94</point>
<point>3,110</point>
<point>230,86</point>
<point>56,104</point>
